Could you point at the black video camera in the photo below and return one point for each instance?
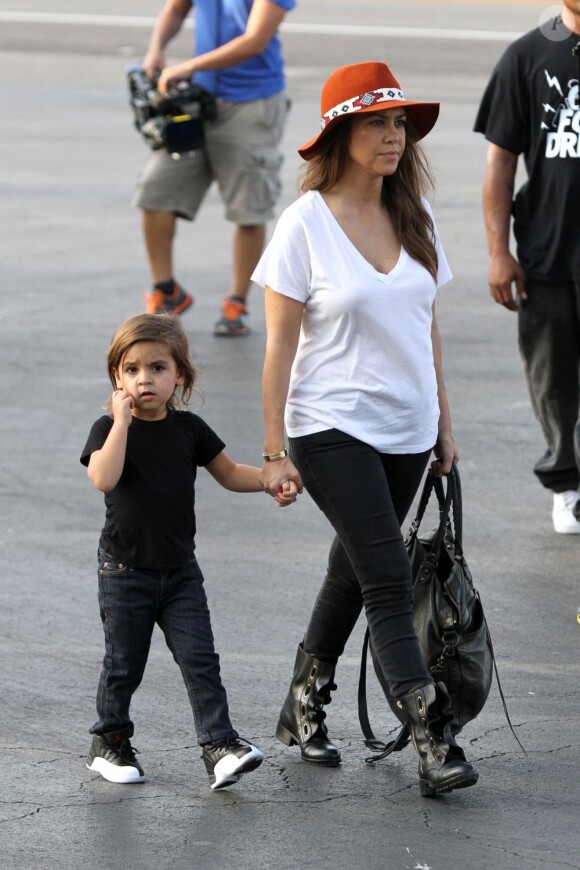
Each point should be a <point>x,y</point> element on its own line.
<point>173,121</point>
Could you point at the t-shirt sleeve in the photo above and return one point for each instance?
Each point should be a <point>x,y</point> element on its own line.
<point>207,444</point>
<point>97,437</point>
<point>285,264</point>
<point>444,274</point>
<point>504,115</point>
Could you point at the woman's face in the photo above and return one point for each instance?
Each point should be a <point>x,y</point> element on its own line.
<point>377,141</point>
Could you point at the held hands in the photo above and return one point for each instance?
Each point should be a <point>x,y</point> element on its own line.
<point>505,271</point>
<point>288,493</point>
<point>121,405</point>
<point>281,480</point>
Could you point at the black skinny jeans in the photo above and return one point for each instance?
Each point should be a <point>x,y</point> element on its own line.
<point>366,496</point>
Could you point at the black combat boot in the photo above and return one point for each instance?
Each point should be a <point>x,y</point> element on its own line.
<point>442,764</point>
<point>302,717</point>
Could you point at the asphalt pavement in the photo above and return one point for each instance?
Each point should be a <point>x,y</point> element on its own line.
<point>73,268</point>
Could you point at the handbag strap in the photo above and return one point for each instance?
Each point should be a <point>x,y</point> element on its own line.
<point>454,482</point>
<point>450,508</point>
<point>403,737</point>
<point>503,701</point>
<point>445,502</point>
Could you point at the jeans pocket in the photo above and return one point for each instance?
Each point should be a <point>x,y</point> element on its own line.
<point>108,567</point>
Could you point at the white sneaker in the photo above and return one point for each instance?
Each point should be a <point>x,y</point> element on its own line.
<point>226,760</point>
<point>562,513</point>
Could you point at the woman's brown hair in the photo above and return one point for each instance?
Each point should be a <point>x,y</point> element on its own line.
<point>159,328</point>
<point>401,192</point>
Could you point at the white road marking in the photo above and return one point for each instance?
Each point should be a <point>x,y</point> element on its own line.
<point>322,29</point>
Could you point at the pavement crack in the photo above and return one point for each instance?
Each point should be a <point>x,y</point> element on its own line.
<point>20,818</point>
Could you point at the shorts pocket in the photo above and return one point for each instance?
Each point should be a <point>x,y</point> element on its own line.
<point>263,181</point>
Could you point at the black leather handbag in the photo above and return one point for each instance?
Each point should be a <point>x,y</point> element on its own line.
<point>448,618</point>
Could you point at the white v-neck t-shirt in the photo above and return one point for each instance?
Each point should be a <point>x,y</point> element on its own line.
<point>364,363</point>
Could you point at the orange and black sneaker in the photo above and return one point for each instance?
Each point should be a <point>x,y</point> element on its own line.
<point>234,318</point>
<point>176,302</point>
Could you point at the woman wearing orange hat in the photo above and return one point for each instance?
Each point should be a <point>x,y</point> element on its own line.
<point>353,368</point>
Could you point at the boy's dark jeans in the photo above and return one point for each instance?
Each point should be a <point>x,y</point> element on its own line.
<point>366,496</point>
<point>131,602</point>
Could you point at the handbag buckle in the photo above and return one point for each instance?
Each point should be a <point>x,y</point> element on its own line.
<point>450,639</point>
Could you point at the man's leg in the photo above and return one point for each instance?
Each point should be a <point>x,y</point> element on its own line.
<point>247,250</point>
<point>244,151</point>
<point>549,338</point>
<point>166,294</point>
<point>168,188</point>
<point>248,247</point>
<point>159,232</point>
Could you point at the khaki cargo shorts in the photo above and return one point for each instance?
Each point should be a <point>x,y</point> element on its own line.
<point>241,152</point>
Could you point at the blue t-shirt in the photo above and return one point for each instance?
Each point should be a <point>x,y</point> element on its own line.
<point>262,76</point>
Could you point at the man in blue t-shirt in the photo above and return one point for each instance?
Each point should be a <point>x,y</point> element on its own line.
<point>238,58</point>
<point>531,107</point>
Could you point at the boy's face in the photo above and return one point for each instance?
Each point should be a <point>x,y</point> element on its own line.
<point>149,374</point>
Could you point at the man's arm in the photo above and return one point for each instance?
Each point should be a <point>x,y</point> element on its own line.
<point>264,19</point>
<point>498,190</point>
<point>168,24</point>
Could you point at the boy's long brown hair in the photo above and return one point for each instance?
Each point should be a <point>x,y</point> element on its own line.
<point>160,328</point>
<point>401,192</point>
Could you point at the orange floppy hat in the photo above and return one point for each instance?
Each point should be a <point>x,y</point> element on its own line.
<point>366,87</point>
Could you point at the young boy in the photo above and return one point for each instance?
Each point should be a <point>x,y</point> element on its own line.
<point>144,456</point>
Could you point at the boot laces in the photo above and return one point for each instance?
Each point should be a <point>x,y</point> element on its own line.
<point>318,699</point>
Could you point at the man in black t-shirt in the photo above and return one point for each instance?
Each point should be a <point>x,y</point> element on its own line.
<point>531,106</point>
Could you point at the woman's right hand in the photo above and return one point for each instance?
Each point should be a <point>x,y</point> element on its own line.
<point>275,474</point>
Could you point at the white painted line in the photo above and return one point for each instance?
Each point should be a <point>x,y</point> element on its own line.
<point>412,32</point>
<point>76,18</point>
<point>347,30</point>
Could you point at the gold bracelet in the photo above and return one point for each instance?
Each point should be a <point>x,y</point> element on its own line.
<point>273,457</point>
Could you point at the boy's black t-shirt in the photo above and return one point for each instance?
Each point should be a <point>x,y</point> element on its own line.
<point>531,107</point>
<point>150,514</point>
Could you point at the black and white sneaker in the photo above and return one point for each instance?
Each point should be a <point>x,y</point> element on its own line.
<point>226,760</point>
<point>112,756</point>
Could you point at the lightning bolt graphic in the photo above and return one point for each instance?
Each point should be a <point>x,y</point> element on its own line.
<point>553,82</point>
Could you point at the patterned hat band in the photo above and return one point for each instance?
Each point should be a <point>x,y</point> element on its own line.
<point>364,101</point>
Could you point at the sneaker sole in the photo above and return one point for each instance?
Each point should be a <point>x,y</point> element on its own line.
<point>229,770</point>
<point>566,527</point>
<point>226,332</point>
<point>114,773</point>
